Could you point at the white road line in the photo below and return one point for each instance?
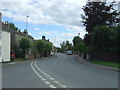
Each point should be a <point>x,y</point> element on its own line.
<point>40,76</point>
<point>48,76</point>
<point>37,74</point>
<point>51,78</point>
<point>47,82</point>
<point>56,82</point>
<point>52,86</point>
<point>43,79</point>
<point>62,85</point>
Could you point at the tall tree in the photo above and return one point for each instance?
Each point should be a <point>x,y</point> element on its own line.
<point>99,13</point>
<point>76,40</point>
<point>24,45</point>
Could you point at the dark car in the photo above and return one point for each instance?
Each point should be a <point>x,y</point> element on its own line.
<point>12,55</point>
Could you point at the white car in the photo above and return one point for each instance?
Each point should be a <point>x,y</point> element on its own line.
<point>69,52</point>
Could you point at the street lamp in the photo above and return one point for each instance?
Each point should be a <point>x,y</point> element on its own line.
<point>27,22</point>
<point>26,35</point>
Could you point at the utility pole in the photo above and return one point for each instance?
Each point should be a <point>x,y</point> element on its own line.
<point>26,35</point>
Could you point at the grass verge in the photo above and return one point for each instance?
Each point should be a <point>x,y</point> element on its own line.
<point>106,63</point>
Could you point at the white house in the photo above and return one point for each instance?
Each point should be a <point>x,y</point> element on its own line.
<point>4,44</point>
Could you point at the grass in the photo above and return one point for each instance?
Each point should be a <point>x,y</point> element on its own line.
<point>18,59</point>
<point>106,63</point>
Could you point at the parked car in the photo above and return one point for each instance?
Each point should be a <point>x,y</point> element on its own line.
<point>12,55</point>
<point>69,52</point>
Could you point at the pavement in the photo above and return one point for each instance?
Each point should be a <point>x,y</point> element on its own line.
<point>60,71</point>
<point>81,60</point>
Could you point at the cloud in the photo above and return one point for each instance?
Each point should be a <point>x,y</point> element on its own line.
<point>36,29</point>
<point>45,11</point>
<point>52,12</point>
<point>49,32</point>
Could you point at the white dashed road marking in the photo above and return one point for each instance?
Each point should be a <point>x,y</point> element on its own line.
<point>52,86</point>
<point>47,82</point>
<point>44,79</point>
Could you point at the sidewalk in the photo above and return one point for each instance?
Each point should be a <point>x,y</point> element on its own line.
<point>81,60</point>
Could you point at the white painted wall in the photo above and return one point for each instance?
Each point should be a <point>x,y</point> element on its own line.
<point>5,46</point>
<point>0,45</point>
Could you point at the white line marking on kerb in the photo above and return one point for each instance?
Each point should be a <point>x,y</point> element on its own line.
<point>52,86</point>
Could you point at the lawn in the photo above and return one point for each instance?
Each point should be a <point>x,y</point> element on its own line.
<point>18,59</point>
<point>106,63</point>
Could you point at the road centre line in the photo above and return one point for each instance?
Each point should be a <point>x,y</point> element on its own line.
<point>52,86</point>
<point>47,82</point>
<point>56,81</point>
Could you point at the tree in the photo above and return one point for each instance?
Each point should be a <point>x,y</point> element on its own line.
<point>68,45</point>
<point>118,38</point>
<point>80,47</point>
<point>104,39</point>
<point>12,26</point>
<point>24,45</point>
<point>40,45</point>
<point>25,31</point>
<point>76,40</point>
<point>43,47</point>
<point>98,13</point>
<point>63,46</point>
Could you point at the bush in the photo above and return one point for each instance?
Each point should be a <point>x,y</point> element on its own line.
<point>104,39</point>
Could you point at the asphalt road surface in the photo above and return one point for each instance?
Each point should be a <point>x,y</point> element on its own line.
<point>60,71</point>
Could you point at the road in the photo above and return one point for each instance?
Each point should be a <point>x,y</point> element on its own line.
<point>60,71</point>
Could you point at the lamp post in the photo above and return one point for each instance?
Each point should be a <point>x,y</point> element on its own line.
<point>27,22</point>
<point>26,35</point>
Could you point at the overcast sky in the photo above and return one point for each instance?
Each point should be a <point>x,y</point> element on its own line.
<point>58,20</point>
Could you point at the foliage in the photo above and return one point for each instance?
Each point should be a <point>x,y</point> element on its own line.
<point>104,39</point>
<point>48,46</point>
<point>66,46</point>
<point>25,31</point>
<point>80,47</point>
<point>118,37</point>
<point>96,14</point>
<point>24,45</point>
<point>76,40</point>
<point>99,13</point>
<point>42,46</point>
<point>63,46</point>
<point>12,26</point>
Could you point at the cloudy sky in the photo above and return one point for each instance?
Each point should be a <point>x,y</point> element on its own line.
<point>58,20</point>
